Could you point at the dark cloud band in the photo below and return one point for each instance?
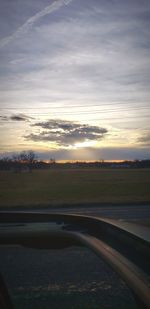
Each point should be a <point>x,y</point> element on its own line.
<point>16,117</point>
<point>66,133</point>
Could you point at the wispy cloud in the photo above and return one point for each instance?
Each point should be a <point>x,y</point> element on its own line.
<point>91,65</point>
<point>66,133</point>
<point>20,117</point>
<point>16,117</point>
<point>30,22</point>
<point>3,118</point>
<point>145,139</point>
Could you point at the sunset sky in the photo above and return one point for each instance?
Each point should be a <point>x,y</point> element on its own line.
<point>75,78</point>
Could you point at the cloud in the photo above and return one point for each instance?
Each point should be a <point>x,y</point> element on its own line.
<point>108,153</point>
<point>30,22</point>
<point>85,58</point>
<point>144,140</point>
<point>20,117</point>
<point>3,118</point>
<point>66,133</point>
<point>82,56</point>
<point>16,117</point>
<point>105,153</point>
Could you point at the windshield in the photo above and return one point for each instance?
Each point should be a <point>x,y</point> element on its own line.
<point>74,121</point>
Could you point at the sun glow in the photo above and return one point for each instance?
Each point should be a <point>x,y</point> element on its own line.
<point>85,144</point>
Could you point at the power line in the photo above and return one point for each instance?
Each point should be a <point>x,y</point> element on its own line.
<point>76,106</point>
<point>100,119</point>
<point>88,111</point>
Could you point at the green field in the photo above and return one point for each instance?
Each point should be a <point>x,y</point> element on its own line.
<point>60,186</point>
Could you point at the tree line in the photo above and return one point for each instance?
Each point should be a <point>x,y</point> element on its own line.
<point>23,160</point>
<point>27,161</point>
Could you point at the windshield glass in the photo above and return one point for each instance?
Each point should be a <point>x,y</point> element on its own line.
<point>75,132</point>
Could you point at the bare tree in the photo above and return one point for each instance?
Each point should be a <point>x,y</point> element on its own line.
<point>52,161</point>
<point>27,156</point>
<point>25,159</point>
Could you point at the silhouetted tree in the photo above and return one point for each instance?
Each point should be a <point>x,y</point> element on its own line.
<point>25,159</point>
<point>52,161</point>
<point>28,158</point>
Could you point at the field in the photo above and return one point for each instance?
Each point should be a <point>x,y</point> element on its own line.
<point>64,186</point>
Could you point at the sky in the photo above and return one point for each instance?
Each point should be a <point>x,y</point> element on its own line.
<point>75,79</point>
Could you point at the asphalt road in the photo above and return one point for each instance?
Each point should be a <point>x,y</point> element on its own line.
<point>71,278</point>
<point>119,212</point>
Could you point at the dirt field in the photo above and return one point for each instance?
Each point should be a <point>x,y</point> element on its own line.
<point>58,186</point>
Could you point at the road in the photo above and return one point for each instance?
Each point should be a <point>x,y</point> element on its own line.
<point>119,212</point>
<point>70,278</point>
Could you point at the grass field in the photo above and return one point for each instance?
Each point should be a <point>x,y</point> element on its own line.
<point>60,186</point>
